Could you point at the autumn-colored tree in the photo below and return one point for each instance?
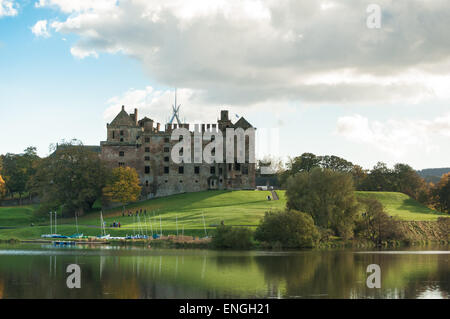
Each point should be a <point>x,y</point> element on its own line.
<point>441,194</point>
<point>123,186</point>
<point>2,187</point>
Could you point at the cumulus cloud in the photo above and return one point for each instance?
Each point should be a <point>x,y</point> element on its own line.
<point>249,51</point>
<point>8,8</point>
<point>396,137</point>
<point>40,29</point>
<point>195,108</point>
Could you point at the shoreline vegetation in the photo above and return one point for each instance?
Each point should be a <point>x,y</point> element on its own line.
<point>244,210</point>
<point>326,201</point>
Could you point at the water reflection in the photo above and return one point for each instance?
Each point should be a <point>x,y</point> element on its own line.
<point>30,271</point>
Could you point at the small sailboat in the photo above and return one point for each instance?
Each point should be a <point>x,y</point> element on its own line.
<point>140,231</point>
<point>103,232</point>
<point>78,234</point>
<point>52,234</point>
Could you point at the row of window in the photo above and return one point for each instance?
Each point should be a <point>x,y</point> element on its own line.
<point>212,169</point>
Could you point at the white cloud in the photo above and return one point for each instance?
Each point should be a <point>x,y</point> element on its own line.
<point>8,8</point>
<point>250,51</point>
<point>157,105</point>
<point>69,6</point>
<point>40,29</point>
<point>395,137</point>
<point>81,53</point>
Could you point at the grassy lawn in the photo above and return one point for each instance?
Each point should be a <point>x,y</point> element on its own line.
<point>403,206</point>
<point>16,216</point>
<point>239,208</point>
<point>233,207</point>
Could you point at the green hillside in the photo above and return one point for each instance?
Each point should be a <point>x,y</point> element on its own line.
<point>403,206</point>
<point>239,208</point>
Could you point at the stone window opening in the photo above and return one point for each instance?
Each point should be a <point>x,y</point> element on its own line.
<point>212,170</point>
<point>146,183</point>
<point>147,140</point>
<point>166,150</point>
<point>147,150</point>
<point>121,153</point>
<point>121,164</point>
<point>121,139</point>
<point>166,159</point>
<point>147,158</point>
<point>147,169</point>
<point>196,169</point>
<point>121,133</point>
<point>166,170</point>
<point>181,170</point>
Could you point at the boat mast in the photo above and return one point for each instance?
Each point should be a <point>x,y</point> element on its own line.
<point>204,225</point>
<point>76,221</point>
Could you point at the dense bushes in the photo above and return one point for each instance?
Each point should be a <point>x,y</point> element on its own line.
<point>227,237</point>
<point>290,229</point>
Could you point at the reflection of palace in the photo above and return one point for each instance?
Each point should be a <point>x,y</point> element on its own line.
<point>144,146</point>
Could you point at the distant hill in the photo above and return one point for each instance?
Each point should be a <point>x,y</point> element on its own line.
<point>433,174</point>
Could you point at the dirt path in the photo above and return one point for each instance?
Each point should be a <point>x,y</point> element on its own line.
<point>274,195</point>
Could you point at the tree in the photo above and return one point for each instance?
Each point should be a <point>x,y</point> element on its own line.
<point>380,178</point>
<point>375,224</point>
<point>327,196</point>
<point>407,180</point>
<point>441,194</point>
<point>18,170</point>
<point>72,176</point>
<point>308,161</point>
<point>291,229</point>
<point>122,186</point>
<point>2,188</point>
<point>359,176</point>
<point>336,163</point>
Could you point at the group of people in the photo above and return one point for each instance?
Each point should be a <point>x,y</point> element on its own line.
<point>115,224</point>
<point>138,212</point>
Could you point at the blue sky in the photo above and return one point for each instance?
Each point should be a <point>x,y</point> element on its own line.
<point>294,67</point>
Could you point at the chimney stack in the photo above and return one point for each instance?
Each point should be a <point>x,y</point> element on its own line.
<point>136,116</point>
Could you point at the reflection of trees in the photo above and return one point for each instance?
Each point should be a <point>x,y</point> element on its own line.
<point>312,273</point>
<point>342,274</point>
<point>224,261</point>
<point>431,275</point>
